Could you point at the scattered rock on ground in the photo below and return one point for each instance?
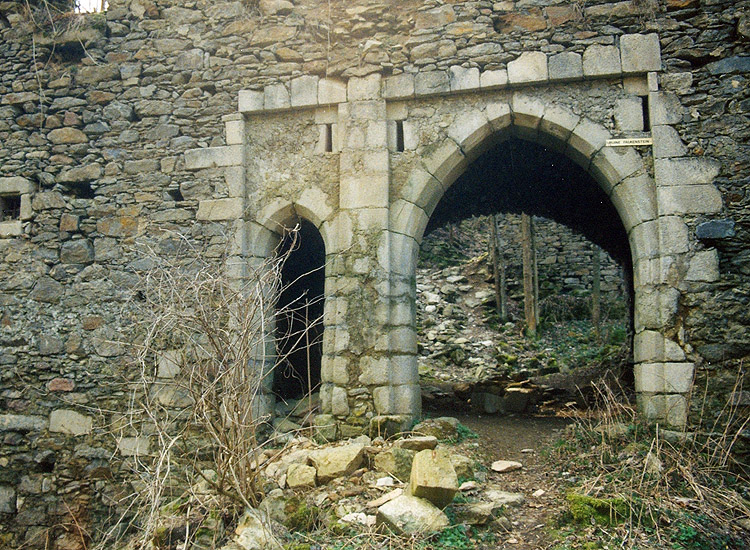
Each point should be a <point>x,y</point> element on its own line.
<point>433,477</point>
<point>408,514</point>
<point>505,466</point>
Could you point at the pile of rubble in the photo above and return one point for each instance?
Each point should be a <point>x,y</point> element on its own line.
<point>402,485</point>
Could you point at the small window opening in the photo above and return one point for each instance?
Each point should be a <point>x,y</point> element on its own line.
<point>328,144</point>
<point>10,207</point>
<point>91,6</point>
<point>82,190</point>
<point>646,118</point>
<point>176,194</point>
<point>400,136</point>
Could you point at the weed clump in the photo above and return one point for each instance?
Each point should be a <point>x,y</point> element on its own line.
<point>604,511</point>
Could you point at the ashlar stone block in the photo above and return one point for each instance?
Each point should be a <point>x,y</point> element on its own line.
<point>670,409</point>
<point>304,91</point>
<point>463,78</point>
<point>331,91</point>
<point>469,130</point>
<point>250,101</point>
<point>70,422</point>
<point>15,184</point>
<point>529,67</point>
<point>635,200</point>
<point>399,86</point>
<point>667,142</point>
<point>685,171</point>
<point>585,140</point>
<point>364,88</point>
<point>211,157</point>
<point>275,97</point>
<point>601,60</point>
<point>650,346</point>
<point>489,80</point>
<point>432,83</point>
<point>704,266</point>
<point>220,209</point>
<point>629,114</point>
<point>664,108</point>
<point>134,446</point>
<point>640,53</point>
<point>689,199</point>
<point>664,377</point>
<point>499,115</point>
<point>566,66</point>
<point>556,126</point>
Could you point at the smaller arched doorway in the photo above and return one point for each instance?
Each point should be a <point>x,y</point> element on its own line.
<point>299,318</point>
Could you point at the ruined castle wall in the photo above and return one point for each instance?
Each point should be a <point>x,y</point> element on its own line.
<point>93,128</point>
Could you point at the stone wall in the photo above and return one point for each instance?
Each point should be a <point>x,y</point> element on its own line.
<point>95,120</point>
<point>564,258</point>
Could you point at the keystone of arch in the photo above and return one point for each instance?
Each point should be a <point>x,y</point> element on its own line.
<point>556,127</point>
<point>527,115</point>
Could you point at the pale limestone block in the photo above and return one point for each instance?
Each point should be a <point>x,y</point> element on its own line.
<point>341,229</point>
<point>26,211</point>
<point>234,178</point>
<point>408,218</point>
<point>396,110</point>
<point>431,83</point>
<point>650,346</point>
<point>331,91</point>
<point>364,191</point>
<point>250,101</point>
<point>585,140</point>
<point>337,370</point>
<point>134,446</point>
<point>566,66</point>
<point>601,60</point>
<point>261,240</point>
<point>407,400</point>
<point>375,371</point>
<point>685,171</point>
<point>652,80</point>
<point>219,209</point>
<point>664,108</point>
<point>629,114</point>
<point>304,91</point>
<point>635,85</point>
<point>399,86</point>
<point>646,271</point>
<point>640,53</point>
<point>499,115</point>
<point>470,130</point>
<point>384,400</point>
<point>364,88</point>
<point>376,134</point>
<point>70,422</point>
<point>667,142</point>
<point>403,369</point>
<point>314,205</point>
<point>689,199</point>
<point>655,308</point>
<point>556,126</point>
<point>404,251</point>
<point>341,340</point>
<point>527,113</point>
<point>670,409</point>
<point>22,423</point>
<point>704,266</point>
<point>325,398</point>
<point>403,340</point>
<point>235,132</point>
<point>423,190</point>
<point>673,235</point>
<point>339,401</point>
<point>611,165</point>
<point>13,228</point>
<point>489,80</point>
<point>15,185</point>
<point>168,363</point>
<point>391,134</point>
<point>529,67</point>
<point>462,78</point>
<point>211,157</point>
<point>644,240</point>
<point>326,115</point>
<point>664,377</point>
<point>276,96</point>
<point>446,163</point>
<point>635,200</point>
<point>377,161</point>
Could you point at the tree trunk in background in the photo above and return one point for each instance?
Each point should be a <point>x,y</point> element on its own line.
<point>529,301</point>
<point>498,269</point>
<point>596,294</point>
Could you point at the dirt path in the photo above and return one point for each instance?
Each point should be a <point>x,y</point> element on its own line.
<point>521,439</point>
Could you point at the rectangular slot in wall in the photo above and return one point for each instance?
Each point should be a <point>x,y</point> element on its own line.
<point>10,207</point>
<point>400,136</point>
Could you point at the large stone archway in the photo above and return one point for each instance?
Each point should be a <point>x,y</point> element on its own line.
<point>367,161</point>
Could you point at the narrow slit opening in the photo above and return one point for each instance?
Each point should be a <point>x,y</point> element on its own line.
<point>646,118</point>
<point>400,136</point>
<point>328,145</point>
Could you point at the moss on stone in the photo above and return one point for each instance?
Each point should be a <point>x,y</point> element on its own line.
<point>604,511</point>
